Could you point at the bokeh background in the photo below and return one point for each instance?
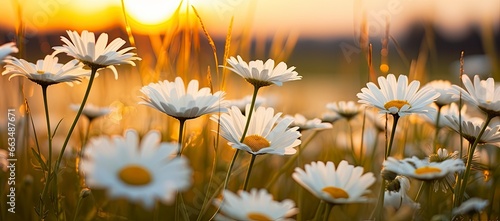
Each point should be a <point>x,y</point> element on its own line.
<point>326,40</point>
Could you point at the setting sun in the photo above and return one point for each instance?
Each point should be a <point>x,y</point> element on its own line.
<point>151,12</point>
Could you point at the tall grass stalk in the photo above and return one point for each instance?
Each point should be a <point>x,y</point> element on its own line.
<point>458,179</point>
<point>207,199</point>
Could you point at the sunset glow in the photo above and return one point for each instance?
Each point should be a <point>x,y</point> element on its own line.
<point>321,19</point>
<point>151,12</point>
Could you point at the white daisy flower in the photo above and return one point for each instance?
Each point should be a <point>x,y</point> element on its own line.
<point>140,172</point>
<point>304,124</point>
<point>96,54</point>
<point>398,97</point>
<point>472,205</point>
<point>47,71</point>
<point>445,91</point>
<point>175,100</point>
<point>6,49</point>
<point>423,169</point>
<point>265,134</point>
<point>471,128</point>
<point>347,110</point>
<point>483,94</point>
<point>398,198</point>
<point>449,180</point>
<point>262,74</point>
<point>346,184</point>
<point>255,205</point>
<point>330,117</point>
<point>91,111</point>
<point>448,110</point>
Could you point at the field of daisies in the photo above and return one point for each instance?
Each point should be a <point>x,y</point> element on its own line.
<point>406,149</point>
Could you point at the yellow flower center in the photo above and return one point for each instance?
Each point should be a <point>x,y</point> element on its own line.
<point>258,217</point>
<point>40,72</point>
<point>135,175</point>
<point>336,192</point>
<point>256,142</point>
<point>427,169</point>
<point>396,103</point>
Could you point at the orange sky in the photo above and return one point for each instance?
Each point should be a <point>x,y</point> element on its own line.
<point>316,18</point>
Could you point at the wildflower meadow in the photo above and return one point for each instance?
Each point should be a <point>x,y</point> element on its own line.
<point>183,124</point>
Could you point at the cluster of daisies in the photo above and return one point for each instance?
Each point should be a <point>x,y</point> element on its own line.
<point>147,170</point>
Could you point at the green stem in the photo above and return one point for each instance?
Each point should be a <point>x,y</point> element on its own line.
<point>78,204</point>
<point>156,211</point>
<point>252,105</point>
<point>419,192</point>
<point>351,137</point>
<point>53,174</point>
<point>206,201</point>
<point>77,117</point>
<point>300,202</point>
<point>245,185</point>
<point>377,214</point>
<point>231,165</point>
<point>319,210</point>
<point>463,185</point>
<point>429,198</point>
<point>374,147</point>
<point>436,135</point>
<point>48,178</point>
<point>328,209</point>
<point>181,132</point>
<point>393,132</point>
<point>363,124</point>
<point>180,205</point>
<point>218,189</point>
<point>460,154</point>
<point>460,151</point>
<point>87,132</point>
<point>249,116</point>
<point>79,155</point>
<point>300,192</point>
<point>49,132</point>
